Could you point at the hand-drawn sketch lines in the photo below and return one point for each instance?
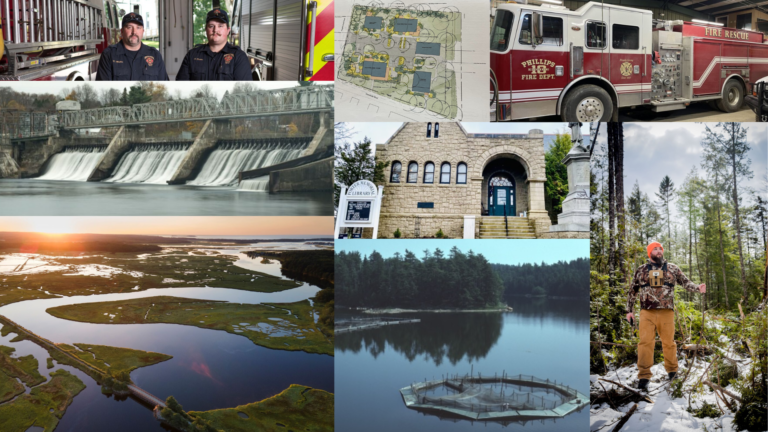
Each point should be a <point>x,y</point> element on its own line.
<point>405,60</point>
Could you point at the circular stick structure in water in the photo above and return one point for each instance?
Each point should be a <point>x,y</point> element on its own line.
<point>500,399</point>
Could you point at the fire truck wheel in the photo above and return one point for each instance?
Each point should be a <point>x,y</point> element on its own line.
<point>733,97</point>
<point>587,103</point>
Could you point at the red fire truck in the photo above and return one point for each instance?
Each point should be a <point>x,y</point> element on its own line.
<point>585,64</point>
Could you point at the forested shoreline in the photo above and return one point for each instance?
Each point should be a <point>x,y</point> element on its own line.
<point>560,279</point>
<point>456,280</point>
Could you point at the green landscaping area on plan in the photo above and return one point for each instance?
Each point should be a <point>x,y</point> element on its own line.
<point>45,276</point>
<point>297,408</point>
<point>284,326</point>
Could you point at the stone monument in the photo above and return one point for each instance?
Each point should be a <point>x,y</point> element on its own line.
<point>575,215</point>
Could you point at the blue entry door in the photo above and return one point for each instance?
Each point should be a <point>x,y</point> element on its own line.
<point>502,201</point>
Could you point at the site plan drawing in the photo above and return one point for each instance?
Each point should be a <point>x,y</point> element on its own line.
<point>403,62</point>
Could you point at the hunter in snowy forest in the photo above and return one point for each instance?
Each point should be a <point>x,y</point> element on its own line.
<point>696,197</point>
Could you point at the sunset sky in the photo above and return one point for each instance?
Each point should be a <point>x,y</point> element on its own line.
<point>171,225</point>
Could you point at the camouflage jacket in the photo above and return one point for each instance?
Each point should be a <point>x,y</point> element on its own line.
<point>657,298</point>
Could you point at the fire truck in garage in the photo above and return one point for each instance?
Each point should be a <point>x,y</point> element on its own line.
<point>584,65</point>
<point>62,39</point>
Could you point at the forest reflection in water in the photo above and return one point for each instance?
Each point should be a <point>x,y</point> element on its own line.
<point>454,335</point>
<point>449,335</point>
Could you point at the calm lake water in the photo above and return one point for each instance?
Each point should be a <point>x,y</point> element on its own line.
<point>28,197</point>
<point>209,370</point>
<point>545,338</point>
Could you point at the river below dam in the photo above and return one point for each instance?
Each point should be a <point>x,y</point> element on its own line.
<point>210,369</point>
<point>36,197</point>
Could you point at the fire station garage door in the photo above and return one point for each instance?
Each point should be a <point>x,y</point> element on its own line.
<point>259,25</point>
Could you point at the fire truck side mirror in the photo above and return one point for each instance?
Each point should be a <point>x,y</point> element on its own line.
<point>537,28</point>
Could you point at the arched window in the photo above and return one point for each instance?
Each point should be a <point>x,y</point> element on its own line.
<point>461,173</point>
<point>437,129</point>
<point>429,130</point>
<point>413,172</point>
<point>429,173</point>
<point>445,173</point>
<point>396,168</point>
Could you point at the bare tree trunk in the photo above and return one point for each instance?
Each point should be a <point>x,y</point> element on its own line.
<point>706,270</point>
<point>611,205</point>
<point>722,253</point>
<point>736,208</point>
<point>690,239</point>
<point>619,168</point>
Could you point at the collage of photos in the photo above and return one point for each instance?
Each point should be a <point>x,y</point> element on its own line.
<point>577,244</point>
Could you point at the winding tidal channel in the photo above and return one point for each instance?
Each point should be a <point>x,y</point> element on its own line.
<point>210,369</point>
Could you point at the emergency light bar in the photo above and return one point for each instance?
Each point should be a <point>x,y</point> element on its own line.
<point>707,22</point>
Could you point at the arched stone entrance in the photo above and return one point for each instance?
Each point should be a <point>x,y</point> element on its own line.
<point>505,189</point>
<point>522,173</point>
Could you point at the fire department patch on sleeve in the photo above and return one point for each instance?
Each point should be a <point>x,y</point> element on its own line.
<point>228,58</point>
<point>150,60</point>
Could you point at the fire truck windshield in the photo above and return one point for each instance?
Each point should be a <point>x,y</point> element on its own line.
<point>502,27</point>
<point>552,31</point>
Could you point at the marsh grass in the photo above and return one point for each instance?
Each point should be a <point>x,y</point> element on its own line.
<point>296,408</point>
<point>285,326</point>
<point>35,408</point>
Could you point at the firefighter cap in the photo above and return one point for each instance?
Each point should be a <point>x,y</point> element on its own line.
<point>218,14</point>
<point>133,17</point>
<point>653,245</point>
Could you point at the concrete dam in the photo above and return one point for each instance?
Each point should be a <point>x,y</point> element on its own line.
<point>158,162</point>
<point>265,140</point>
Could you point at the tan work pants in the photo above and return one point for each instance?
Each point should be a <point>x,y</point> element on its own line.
<point>652,321</point>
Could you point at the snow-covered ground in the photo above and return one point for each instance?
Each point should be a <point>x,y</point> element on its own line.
<point>24,264</point>
<point>666,414</point>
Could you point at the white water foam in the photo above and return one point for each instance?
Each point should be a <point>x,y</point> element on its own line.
<point>229,159</point>
<point>73,164</point>
<point>149,163</point>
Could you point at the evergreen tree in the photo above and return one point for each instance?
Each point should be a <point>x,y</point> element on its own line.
<point>354,162</point>
<point>137,95</point>
<point>556,186</point>
<point>732,142</point>
<point>666,195</point>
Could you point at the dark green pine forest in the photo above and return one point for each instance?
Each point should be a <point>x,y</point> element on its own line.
<point>456,280</point>
<point>561,279</point>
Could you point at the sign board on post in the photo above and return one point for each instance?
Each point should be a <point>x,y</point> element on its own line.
<point>359,207</point>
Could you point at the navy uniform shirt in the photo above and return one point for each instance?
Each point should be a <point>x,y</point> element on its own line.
<point>202,64</point>
<point>115,65</point>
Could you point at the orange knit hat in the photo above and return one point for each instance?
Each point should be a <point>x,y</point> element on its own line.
<point>653,245</point>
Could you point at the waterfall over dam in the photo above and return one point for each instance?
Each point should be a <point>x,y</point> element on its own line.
<point>231,157</point>
<point>74,163</point>
<point>258,184</point>
<point>153,163</point>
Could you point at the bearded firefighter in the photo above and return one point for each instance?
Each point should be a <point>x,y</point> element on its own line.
<point>654,284</point>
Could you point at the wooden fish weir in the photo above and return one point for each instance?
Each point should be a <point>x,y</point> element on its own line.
<point>372,325</point>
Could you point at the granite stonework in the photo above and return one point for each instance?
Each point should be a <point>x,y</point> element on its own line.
<point>521,154</point>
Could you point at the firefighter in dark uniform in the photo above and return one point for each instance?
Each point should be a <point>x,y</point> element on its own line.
<point>129,59</point>
<point>218,60</point>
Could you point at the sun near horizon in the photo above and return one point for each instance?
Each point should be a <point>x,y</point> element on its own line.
<point>170,225</point>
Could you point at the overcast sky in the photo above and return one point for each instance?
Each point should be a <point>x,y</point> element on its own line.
<point>653,150</point>
<point>515,251</point>
<point>379,133</point>
<point>54,87</point>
